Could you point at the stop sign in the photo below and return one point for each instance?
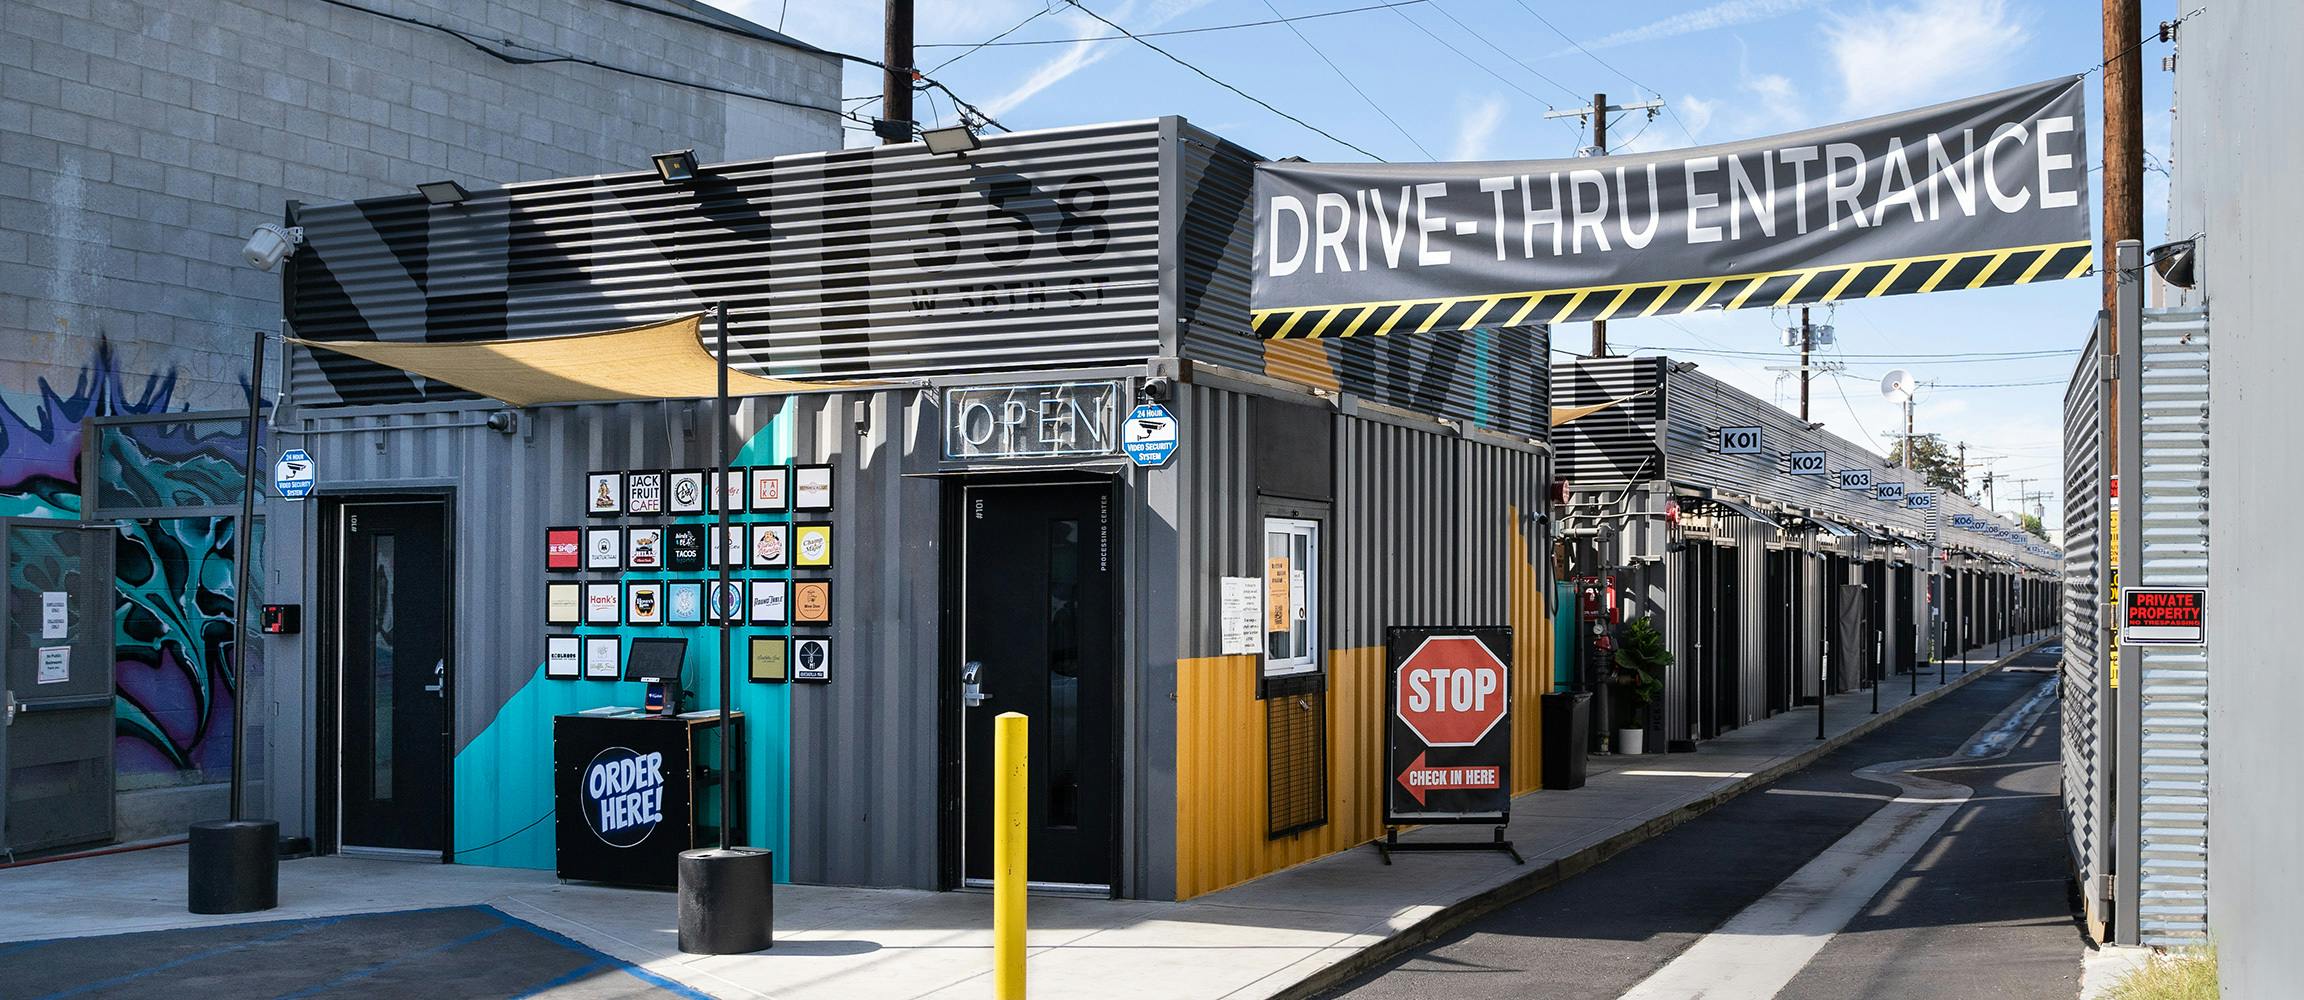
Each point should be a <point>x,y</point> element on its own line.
<point>1451,691</point>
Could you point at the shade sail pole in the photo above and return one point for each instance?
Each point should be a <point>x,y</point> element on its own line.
<point>244,536</point>
<point>720,485</point>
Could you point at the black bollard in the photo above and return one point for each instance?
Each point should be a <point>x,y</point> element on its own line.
<point>727,900</point>
<point>235,866</point>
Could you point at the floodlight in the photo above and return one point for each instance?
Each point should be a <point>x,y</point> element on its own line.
<point>2174,262</point>
<point>443,192</point>
<point>954,139</point>
<point>676,166</point>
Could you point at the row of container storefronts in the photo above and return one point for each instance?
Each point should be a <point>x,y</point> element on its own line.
<point>1778,560</point>
<point>942,523</point>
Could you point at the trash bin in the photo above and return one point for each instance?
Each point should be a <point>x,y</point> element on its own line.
<point>1567,727</point>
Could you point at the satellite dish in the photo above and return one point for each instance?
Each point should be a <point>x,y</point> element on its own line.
<point>1898,385</point>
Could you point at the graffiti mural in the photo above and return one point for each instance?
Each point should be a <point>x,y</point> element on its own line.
<point>173,579</point>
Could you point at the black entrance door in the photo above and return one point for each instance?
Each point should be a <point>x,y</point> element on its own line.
<point>1037,617</point>
<point>392,623</point>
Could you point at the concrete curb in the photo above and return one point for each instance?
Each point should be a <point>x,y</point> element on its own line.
<point>1480,904</point>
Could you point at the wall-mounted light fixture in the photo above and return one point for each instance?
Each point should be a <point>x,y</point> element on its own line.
<point>676,166</point>
<point>954,139</point>
<point>443,192</point>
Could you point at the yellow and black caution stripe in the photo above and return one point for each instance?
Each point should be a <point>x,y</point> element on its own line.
<point>1829,283</point>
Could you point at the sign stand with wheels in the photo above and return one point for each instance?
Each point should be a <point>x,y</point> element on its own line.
<point>1448,735</point>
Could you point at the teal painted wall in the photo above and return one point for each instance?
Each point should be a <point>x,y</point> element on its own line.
<point>504,802</point>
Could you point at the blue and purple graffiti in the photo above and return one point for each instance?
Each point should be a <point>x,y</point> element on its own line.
<point>173,581</point>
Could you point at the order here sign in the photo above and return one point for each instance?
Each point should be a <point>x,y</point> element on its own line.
<point>2165,616</point>
<point>1448,731</point>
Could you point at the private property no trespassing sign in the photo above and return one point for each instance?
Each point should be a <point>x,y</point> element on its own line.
<point>2164,616</point>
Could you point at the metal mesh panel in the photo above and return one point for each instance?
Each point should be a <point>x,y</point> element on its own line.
<point>1296,762</point>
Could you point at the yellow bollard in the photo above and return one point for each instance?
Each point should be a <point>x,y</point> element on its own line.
<point>1011,817</point>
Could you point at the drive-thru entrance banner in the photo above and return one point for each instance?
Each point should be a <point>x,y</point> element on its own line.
<point>1448,725</point>
<point>1991,190</point>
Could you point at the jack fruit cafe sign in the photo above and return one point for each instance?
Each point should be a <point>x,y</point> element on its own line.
<point>1991,190</point>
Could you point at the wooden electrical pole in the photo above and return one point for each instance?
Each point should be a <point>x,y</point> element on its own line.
<point>1599,112</point>
<point>896,81</point>
<point>2123,138</point>
<point>1806,342</point>
<point>1600,148</point>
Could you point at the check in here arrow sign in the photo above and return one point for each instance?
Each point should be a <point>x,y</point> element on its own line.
<point>1418,778</point>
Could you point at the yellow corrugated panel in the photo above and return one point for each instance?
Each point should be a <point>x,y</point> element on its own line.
<point>1220,800</point>
<point>1531,657</point>
<point>1220,773</point>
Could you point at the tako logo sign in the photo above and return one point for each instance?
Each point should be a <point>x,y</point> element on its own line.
<point>1449,732</point>
<point>623,795</point>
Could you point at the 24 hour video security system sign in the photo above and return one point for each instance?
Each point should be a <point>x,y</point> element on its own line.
<point>1448,728</point>
<point>1991,190</point>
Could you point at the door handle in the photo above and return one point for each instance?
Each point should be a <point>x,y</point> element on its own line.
<point>439,685</point>
<point>972,684</point>
<point>7,707</point>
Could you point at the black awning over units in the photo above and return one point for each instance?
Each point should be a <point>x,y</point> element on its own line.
<point>1736,507</point>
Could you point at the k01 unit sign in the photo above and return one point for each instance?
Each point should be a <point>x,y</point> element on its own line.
<point>1739,440</point>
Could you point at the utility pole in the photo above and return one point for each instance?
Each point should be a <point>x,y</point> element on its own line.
<point>2123,173</point>
<point>1963,466</point>
<point>1598,113</point>
<point>896,81</point>
<point>2123,138</point>
<point>1807,340</point>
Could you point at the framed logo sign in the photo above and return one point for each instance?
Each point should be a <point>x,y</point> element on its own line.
<point>603,548</point>
<point>646,546</point>
<point>684,491</point>
<point>604,494</point>
<point>684,603</point>
<point>644,493</point>
<point>563,549</point>
<point>770,491</point>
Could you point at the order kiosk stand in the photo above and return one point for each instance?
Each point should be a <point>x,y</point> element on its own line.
<point>630,792</point>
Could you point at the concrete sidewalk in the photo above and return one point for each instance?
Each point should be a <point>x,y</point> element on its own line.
<point>1287,934</point>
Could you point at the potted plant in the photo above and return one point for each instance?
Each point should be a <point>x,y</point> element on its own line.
<point>1640,656</point>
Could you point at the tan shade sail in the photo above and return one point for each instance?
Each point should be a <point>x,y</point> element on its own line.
<point>658,361</point>
<point>1563,414</point>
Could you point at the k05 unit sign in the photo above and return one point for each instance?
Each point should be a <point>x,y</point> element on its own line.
<point>1448,724</point>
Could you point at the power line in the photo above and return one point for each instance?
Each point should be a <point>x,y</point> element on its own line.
<point>1979,357</point>
<point>1162,34</point>
<point>549,57</point>
<point>1483,67</point>
<point>1341,75</point>
<point>1533,71</point>
<point>1611,67</point>
<point>1203,74</point>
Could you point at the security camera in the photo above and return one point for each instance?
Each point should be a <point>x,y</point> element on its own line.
<point>1157,389</point>
<point>270,244</point>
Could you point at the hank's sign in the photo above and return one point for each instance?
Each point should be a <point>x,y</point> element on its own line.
<point>1448,725</point>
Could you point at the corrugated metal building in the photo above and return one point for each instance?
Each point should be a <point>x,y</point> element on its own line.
<point>1735,525</point>
<point>1007,307</point>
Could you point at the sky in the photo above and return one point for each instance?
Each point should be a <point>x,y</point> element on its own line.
<point>1472,79</point>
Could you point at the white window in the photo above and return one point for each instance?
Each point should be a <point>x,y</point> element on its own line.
<point>1291,596</point>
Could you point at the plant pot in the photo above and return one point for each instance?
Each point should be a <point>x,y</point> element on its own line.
<point>1631,741</point>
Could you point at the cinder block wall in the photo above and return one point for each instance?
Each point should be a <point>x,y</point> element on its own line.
<point>140,142</point>
<point>143,140</point>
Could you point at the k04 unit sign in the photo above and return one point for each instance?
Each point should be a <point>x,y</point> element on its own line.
<point>1448,725</point>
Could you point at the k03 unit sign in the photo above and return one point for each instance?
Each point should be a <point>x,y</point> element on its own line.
<point>1448,724</point>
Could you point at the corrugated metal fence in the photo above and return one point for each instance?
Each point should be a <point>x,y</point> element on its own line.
<point>2172,506</point>
<point>2087,689</point>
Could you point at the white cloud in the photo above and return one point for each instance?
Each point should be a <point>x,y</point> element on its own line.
<point>1074,58</point>
<point>1900,57</point>
<point>1726,14</point>
<point>1476,128</point>
<point>1697,113</point>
